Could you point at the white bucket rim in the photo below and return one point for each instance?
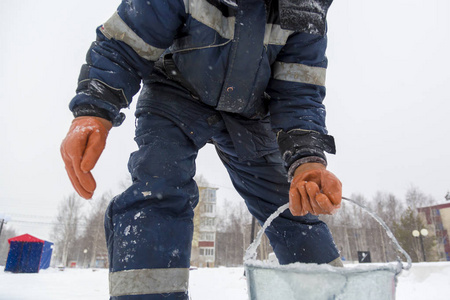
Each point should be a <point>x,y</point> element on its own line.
<point>393,267</point>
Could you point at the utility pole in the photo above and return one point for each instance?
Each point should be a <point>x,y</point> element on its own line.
<point>1,225</point>
<point>3,220</point>
<point>252,232</point>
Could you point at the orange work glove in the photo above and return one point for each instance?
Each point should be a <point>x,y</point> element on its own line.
<point>314,190</point>
<point>81,149</point>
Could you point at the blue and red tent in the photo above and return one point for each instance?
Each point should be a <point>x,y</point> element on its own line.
<point>28,254</point>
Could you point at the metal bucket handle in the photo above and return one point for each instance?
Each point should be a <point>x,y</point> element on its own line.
<point>250,253</point>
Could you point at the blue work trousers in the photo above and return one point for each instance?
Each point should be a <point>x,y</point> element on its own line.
<point>149,227</point>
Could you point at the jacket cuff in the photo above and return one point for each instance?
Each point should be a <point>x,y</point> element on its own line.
<point>91,110</point>
<point>301,161</point>
<point>297,143</point>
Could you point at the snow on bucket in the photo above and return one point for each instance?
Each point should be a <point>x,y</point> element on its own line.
<point>269,281</point>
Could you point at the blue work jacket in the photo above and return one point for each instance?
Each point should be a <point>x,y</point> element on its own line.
<point>243,59</point>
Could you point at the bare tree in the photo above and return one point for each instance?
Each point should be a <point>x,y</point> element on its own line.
<point>416,198</point>
<point>233,235</point>
<point>390,209</point>
<point>65,231</point>
<point>89,248</point>
<point>94,232</point>
<point>195,253</point>
<point>354,230</point>
<point>346,226</point>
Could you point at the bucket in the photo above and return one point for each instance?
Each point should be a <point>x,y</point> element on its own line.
<point>271,281</point>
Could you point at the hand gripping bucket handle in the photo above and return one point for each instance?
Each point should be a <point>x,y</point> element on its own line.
<point>250,254</point>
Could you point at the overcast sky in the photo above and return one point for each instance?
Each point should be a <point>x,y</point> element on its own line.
<point>387,100</point>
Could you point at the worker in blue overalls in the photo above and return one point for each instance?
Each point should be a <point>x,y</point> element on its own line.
<point>247,76</point>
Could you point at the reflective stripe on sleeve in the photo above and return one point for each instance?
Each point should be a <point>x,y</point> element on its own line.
<point>148,281</point>
<point>299,73</point>
<point>116,28</point>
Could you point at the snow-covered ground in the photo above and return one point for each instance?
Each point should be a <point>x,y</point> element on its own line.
<point>423,281</point>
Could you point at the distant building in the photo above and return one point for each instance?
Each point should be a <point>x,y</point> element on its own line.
<point>204,244</point>
<point>437,218</point>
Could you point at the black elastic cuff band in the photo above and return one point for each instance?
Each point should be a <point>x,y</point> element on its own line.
<point>298,143</point>
<point>90,110</point>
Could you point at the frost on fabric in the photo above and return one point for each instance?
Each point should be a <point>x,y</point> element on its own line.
<point>130,229</point>
<point>304,15</point>
<point>127,230</point>
<point>176,253</point>
<point>147,193</point>
<point>315,6</point>
<point>139,215</point>
<point>84,129</point>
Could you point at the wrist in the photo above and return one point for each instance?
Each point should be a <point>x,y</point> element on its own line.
<point>308,167</point>
<point>304,163</point>
<point>104,122</point>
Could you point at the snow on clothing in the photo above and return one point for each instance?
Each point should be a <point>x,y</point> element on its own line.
<point>209,42</point>
<point>149,227</point>
<point>212,71</point>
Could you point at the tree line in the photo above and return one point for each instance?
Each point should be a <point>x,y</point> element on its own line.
<point>79,237</point>
<point>353,229</point>
<point>79,234</point>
